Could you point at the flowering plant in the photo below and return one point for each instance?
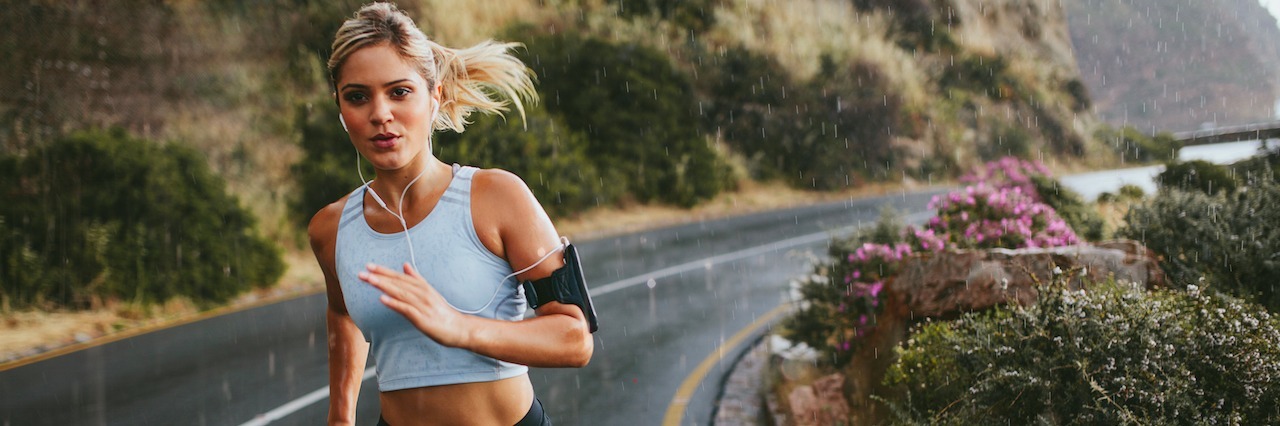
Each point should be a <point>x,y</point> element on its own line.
<point>843,298</point>
<point>982,216</point>
<point>864,274</point>
<point>1009,172</point>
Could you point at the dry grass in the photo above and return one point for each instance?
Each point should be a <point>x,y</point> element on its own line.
<point>464,23</point>
<point>799,33</point>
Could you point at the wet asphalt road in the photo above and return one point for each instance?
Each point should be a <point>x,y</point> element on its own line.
<point>710,280</point>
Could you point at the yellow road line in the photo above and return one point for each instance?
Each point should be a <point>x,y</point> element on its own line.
<point>148,329</point>
<point>675,411</point>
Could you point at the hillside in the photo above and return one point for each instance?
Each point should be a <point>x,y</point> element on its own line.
<point>1177,65</point>
<point>643,102</point>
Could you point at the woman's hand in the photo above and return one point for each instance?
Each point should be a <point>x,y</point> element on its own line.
<point>410,295</point>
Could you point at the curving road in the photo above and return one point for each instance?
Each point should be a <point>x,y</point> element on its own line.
<point>667,299</point>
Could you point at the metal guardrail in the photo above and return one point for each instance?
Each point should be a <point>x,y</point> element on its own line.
<point>1229,134</point>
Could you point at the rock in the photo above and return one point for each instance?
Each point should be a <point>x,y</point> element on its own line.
<point>948,283</point>
<point>795,361</point>
<point>822,403</point>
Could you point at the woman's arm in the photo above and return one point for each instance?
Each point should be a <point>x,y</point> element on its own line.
<point>347,348</point>
<point>511,223</point>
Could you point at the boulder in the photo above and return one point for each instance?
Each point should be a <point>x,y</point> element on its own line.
<point>821,403</point>
<point>945,284</point>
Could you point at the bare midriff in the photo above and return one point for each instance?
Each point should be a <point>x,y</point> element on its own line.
<point>502,402</point>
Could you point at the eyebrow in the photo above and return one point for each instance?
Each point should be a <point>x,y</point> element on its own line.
<point>361,86</point>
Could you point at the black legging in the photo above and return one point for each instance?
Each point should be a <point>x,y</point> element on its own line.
<point>535,417</point>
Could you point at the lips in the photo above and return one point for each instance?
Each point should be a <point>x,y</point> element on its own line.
<point>385,140</point>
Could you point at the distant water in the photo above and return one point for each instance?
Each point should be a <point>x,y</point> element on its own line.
<point>1089,185</point>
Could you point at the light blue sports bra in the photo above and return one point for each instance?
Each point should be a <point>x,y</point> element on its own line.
<point>451,258</point>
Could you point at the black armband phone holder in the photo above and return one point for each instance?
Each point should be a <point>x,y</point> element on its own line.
<point>565,285</point>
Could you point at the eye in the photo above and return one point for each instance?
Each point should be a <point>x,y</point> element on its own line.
<point>355,97</point>
<point>401,92</point>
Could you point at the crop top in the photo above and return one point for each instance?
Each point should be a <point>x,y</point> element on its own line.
<point>454,261</point>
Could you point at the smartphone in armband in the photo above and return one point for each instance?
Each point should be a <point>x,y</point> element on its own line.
<point>566,285</point>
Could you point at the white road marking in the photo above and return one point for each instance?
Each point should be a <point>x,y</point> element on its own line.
<point>322,393</point>
<point>297,404</point>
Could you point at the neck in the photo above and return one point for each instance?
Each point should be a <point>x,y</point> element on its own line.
<point>410,183</point>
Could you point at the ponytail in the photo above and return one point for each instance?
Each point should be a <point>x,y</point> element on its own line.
<point>470,77</point>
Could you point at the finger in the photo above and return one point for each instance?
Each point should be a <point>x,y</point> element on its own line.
<point>422,287</point>
<point>409,288</point>
<point>408,270</point>
<point>389,285</point>
<point>405,309</point>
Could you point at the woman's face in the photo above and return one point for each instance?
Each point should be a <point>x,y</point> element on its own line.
<point>387,106</point>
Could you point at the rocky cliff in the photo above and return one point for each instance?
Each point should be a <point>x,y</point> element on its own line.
<point>1177,65</point>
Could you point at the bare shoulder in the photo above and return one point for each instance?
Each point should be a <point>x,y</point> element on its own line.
<point>323,229</point>
<point>508,218</point>
<point>323,232</point>
<point>501,185</point>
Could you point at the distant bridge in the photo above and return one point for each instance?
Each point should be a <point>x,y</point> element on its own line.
<point>1258,131</point>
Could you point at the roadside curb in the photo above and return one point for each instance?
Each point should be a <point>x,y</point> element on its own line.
<point>742,400</point>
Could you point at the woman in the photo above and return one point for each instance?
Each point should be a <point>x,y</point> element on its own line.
<point>418,262</point>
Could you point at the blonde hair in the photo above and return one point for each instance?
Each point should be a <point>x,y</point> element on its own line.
<point>467,77</point>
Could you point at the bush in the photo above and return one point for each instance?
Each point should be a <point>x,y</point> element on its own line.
<point>982,217</point>
<point>979,73</point>
<point>1035,180</point>
<point>693,15</point>
<point>1232,242</point>
<point>104,215</point>
<point>1132,192</point>
<point>1133,145</point>
<point>841,299</point>
<point>1197,175</point>
<point>637,112</point>
<point>548,155</point>
<point>1265,165</point>
<point>1114,354</point>
<point>1082,217</point>
<point>752,105</point>
<point>851,112</point>
<point>327,169</point>
<point>828,133</point>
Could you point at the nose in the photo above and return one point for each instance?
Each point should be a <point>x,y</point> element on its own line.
<point>381,112</point>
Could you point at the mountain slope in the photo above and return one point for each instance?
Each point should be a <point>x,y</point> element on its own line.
<point>1177,65</point>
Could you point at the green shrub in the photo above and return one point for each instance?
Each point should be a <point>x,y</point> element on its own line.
<point>636,110</point>
<point>751,103</point>
<point>548,155</point>
<point>693,15</point>
<point>1083,218</point>
<point>1080,100</point>
<point>104,215</point>
<point>1132,192</point>
<point>1265,165</point>
<point>1114,354</point>
<point>850,113</point>
<point>828,133</point>
<point>1197,175</point>
<point>327,169</point>
<point>840,300</point>
<point>1135,146</point>
<point>979,73</point>
<point>1229,241</point>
